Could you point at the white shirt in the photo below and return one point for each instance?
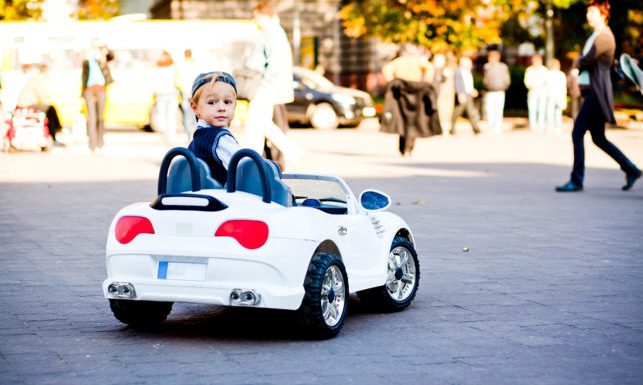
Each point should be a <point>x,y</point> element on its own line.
<point>278,75</point>
<point>467,80</point>
<point>535,78</point>
<point>557,87</point>
<point>226,148</point>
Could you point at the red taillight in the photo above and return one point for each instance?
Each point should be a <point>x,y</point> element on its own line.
<point>127,228</point>
<point>250,234</point>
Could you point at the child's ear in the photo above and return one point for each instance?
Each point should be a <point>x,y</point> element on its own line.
<point>193,106</point>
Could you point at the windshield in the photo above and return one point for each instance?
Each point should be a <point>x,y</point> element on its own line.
<point>314,80</point>
<point>322,190</point>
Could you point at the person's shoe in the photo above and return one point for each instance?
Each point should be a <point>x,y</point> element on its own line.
<point>58,144</point>
<point>630,180</point>
<point>569,187</point>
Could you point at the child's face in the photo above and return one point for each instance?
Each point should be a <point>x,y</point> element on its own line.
<point>216,104</point>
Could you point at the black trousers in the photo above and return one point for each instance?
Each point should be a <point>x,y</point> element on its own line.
<point>590,117</point>
<point>54,121</point>
<point>406,144</point>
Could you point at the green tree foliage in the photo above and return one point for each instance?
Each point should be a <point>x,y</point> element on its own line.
<point>454,24</point>
<point>11,10</point>
<point>571,29</point>
<point>469,24</point>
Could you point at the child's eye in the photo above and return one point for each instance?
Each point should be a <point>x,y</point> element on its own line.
<point>228,101</point>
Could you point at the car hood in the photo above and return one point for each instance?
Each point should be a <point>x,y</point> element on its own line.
<point>350,91</point>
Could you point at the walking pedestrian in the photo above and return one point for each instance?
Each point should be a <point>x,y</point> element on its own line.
<point>187,71</point>
<point>416,72</point>
<point>166,95</point>
<point>273,57</point>
<point>496,82</point>
<point>598,99</point>
<point>95,77</point>
<point>466,93</point>
<point>535,81</point>
<point>555,97</point>
<point>444,85</point>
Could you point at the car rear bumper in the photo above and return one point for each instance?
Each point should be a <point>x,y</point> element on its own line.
<point>275,273</point>
<point>214,293</point>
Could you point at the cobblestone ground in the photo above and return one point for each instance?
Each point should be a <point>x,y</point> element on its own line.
<point>550,291</point>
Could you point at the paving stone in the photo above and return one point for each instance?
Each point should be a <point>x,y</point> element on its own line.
<point>549,292</point>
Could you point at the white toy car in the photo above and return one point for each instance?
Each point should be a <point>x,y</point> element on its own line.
<point>256,244</point>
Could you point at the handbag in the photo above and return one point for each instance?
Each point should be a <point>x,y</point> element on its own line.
<point>248,81</point>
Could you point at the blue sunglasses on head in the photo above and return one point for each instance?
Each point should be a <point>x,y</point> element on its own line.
<point>206,77</point>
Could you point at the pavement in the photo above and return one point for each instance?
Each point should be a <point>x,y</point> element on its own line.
<point>519,284</point>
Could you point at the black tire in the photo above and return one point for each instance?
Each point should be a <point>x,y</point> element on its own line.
<point>140,314</point>
<point>324,308</point>
<point>324,117</point>
<point>381,297</point>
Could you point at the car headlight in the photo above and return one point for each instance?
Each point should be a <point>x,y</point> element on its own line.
<point>346,100</point>
<point>369,112</point>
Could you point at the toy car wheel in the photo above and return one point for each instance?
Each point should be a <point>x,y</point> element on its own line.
<point>403,277</point>
<point>324,117</point>
<point>140,314</point>
<point>325,301</point>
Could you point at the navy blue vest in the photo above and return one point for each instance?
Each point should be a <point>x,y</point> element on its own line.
<point>204,144</point>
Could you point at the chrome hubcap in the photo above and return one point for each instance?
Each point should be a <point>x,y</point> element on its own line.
<point>333,296</point>
<point>401,277</point>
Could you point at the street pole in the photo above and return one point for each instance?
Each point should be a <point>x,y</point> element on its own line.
<point>336,41</point>
<point>296,34</point>
<point>549,32</point>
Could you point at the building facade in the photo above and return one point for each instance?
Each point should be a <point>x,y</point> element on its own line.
<point>314,30</point>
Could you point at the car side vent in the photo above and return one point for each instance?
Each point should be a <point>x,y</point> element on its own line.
<point>378,226</point>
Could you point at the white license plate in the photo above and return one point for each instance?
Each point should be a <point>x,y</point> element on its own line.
<point>182,271</point>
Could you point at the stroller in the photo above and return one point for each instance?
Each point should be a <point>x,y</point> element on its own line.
<point>26,129</point>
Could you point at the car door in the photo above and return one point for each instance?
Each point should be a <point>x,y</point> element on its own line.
<point>360,244</point>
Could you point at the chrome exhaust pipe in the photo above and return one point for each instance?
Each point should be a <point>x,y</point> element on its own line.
<point>243,297</point>
<point>123,290</point>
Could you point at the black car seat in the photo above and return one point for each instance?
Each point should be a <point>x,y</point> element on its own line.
<point>244,175</point>
<point>183,172</point>
<point>180,180</point>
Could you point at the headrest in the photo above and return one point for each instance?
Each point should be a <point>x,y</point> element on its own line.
<point>180,177</point>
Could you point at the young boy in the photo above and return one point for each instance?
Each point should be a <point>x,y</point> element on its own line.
<point>214,97</point>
